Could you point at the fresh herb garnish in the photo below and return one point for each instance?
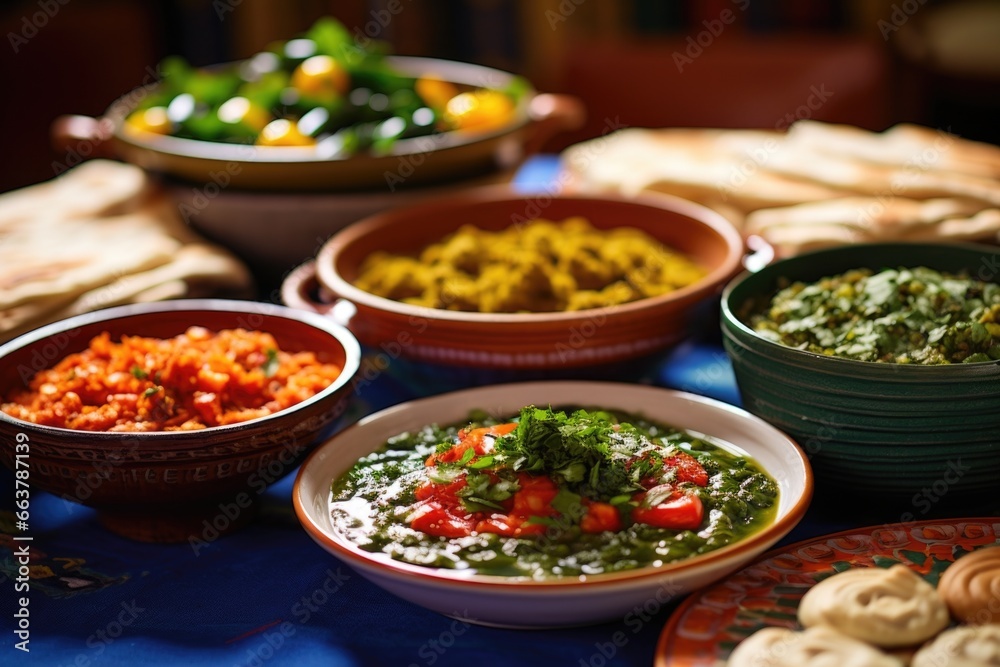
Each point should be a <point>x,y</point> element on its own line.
<point>138,373</point>
<point>481,462</point>
<point>482,494</point>
<point>590,452</point>
<point>903,316</point>
<point>467,456</point>
<point>152,390</point>
<point>270,367</point>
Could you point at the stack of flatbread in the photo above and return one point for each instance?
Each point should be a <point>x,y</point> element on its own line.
<point>101,235</point>
<point>813,186</point>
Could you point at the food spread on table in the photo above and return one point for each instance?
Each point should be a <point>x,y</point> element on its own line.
<point>195,380</point>
<point>538,266</point>
<point>903,316</point>
<point>324,90</point>
<point>816,185</point>
<point>551,493</point>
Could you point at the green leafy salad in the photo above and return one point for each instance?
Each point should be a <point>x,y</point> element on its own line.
<point>903,316</point>
<point>551,493</point>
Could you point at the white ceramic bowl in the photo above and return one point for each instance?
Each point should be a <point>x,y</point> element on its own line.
<point>565,601</point>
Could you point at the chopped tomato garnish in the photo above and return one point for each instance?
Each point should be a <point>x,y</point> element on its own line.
<point>688,469</point>
<point>680,511</point>
<point>509,525</point>
<point>535,496</point>
<point>532,499</point>
<point>439,521</point>
<point>480,440</point>
<point>441,512</point>
<point>425,491</point>
<point>443,494</point>
<point>600,517</point>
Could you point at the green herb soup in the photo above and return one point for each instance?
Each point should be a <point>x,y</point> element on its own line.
<point>551,493</point>
<point>903,316</point>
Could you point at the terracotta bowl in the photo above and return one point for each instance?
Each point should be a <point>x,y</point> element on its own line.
<point>173,486</point>
<point>541,342</point>
<point>559,600</point>
<point>922,436</point>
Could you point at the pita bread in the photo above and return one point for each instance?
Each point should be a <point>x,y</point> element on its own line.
<point>817,185</point>
<point>36,261</point>
<point>100,236</point>
<point>94,189</point>
<point>712,167</point>
<point>904,144</point>
<point>877,217</point>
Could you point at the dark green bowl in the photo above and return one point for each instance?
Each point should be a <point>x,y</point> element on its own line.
<point>884,430</point>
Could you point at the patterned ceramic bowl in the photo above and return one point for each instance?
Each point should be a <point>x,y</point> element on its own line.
<point>918,434</point>
<point>173,485</point>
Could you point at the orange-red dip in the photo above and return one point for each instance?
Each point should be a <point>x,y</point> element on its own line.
<point>195,380</point>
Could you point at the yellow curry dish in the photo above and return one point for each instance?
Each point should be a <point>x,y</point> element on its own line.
<point>536,267</point>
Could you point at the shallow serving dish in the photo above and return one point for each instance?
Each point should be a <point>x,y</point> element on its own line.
<point>162,486</point>
<point>447,156</point>
<point>922,435</point>
<point>548,342</point>
<point>560,601</point>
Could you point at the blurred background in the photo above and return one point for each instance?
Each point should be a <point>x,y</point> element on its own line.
<point>694,63</point>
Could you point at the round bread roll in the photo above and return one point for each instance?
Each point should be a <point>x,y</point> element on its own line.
<point>816,647</point>
<point>886,607</point>
<point>964,646</point>
<point>971,587</point>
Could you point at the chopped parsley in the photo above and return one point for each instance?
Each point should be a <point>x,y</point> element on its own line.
<point>903,316</point>
<point>270,367</point>
<point>590,452</point>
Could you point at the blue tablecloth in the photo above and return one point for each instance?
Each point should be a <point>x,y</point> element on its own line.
<point>269,595</point>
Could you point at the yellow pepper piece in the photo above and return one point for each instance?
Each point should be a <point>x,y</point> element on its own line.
<point>435,91</point>
<point>241,110</point>
<point>321,76</point>
<point>481,110</point>
<point>283,132</point>
<point>153,119</point>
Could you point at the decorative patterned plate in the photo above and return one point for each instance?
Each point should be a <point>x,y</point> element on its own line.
<point>703,631</point>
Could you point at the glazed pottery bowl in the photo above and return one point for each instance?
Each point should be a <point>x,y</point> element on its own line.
<point>545,343</point>
<point>448,156</point>
<point>557,601</point>
<point>917,434</point>
<point>173,485</point>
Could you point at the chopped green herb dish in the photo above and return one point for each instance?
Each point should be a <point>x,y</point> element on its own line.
<point>551,493</point>
<point>902,316</point>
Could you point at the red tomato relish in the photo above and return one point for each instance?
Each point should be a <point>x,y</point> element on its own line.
<point>551,493</point>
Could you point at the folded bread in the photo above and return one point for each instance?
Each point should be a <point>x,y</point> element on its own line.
<point>816,185</point>
<point>101,235</point>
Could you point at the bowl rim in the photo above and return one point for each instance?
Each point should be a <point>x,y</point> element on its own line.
<point>347,341</point>
<point>426,575</point>
<point>239,153</point>
<point>331,279</point>
<point>829,362</point>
